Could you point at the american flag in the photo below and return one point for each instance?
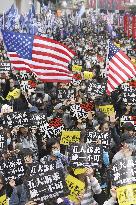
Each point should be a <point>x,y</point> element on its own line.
<point>120,68</point>
<point>45,57</point>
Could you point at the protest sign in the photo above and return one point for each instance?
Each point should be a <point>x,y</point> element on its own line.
<point>3,200</point>
<point>107,109</point>
<point>124,172</point>
<point>57,125</point>
<point>88,106</point>
<point>125,119</point>
<point>62,93</point>
<point>37,119</point>
<point>77,111</point>
<point>76,187</point>
<point>129,93</point>
<point>5,66</point>
<point>68,137</point>
<point>96,89</point>
<point>127,194</point>
<point>77,68</point>
<point>3,142</point>
<point>41,168</point>
<point>16,119</point>
<point>88,75</point>
<point>49,185</point>
<point>95,136</point>
<point>84,155</point>
<point>14,168</point>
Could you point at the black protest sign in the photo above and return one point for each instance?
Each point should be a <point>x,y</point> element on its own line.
<point>131,52</point>
<point>16,119</point>
<point>77,111</point>
<point>125,119</point>
<point>124,172</point>
<point>5,66</point>
<point>2,167</point>
<point>95,136</point>
<point>41,169</point>
<point>37,119</point>
<point>46,130</point>
<point>129,94</point>
<point>71,92</point>
<point>42,188</point>
<point>96,88</point>
<point>14,168</point>
<point>83,155</point>
<point>62,93</point>
<point>7,120</point>
<point>57,125</point>
<point>3,142</point>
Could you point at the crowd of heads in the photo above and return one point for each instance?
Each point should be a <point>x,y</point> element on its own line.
<point>34,115</point>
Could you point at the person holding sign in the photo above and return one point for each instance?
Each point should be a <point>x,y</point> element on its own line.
<point>113,199</point>
<point>91,186</point>
<point>53,154</point>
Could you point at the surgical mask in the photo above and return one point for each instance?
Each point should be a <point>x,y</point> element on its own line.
<point>8,141</point>
<point>56,153</point>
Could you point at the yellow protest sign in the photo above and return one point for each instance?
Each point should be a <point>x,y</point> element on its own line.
<point>69,137</point>
<point>3,200</point>
<point>127,194</point>
<point>15,94</point>
<point>88,75</point>
<point>76,188</point>
<point>77,68</point>
<point>79,171</point>
<point>107,109</point>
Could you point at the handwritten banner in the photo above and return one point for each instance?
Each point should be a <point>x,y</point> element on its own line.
<point>77,68</point>
<point>76,187</point>
<point>107,109</point>
<point>127,194</point>
<point>68,137</point>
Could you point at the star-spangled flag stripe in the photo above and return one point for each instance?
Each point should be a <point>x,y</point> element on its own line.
<point>47,58</point>
<point>20,65</point>
<point>120,68</point>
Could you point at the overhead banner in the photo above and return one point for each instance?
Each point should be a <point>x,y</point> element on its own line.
<point>127,194</point>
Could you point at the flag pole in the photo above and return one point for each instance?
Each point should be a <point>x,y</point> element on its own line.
<point>107,59</point>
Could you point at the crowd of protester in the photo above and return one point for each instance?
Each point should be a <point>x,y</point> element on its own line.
<point>89,40</point>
